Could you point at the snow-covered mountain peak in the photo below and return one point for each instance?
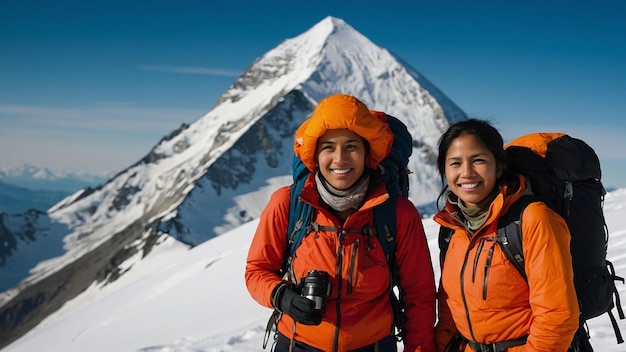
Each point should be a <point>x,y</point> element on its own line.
<point>207,178</point>
<point>328,25</point>
<point>324,38</point>
<point>296,60</point>
<point>193,183</point>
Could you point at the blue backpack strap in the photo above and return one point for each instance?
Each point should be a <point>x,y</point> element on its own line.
<point>299,217</point>
<point>300,213</point>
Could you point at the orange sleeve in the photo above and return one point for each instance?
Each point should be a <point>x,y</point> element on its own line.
<point>548,264</point>
<point>265,256</point>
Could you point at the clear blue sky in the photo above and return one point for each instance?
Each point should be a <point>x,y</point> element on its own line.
<point>93,85</point>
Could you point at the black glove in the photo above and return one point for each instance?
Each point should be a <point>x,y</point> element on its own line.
<point>301,309</point>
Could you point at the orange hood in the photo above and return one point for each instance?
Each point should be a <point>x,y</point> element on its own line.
<point>337,112</point>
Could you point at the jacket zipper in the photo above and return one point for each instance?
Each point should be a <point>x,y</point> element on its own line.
<point>476,257</point>
<point>487,267</point>
<point>467,313</point>
<point>462,278</point>
<point>341,234</point>
<point>355,247</point>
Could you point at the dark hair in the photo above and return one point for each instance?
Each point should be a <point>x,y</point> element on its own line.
<point>481,129</point>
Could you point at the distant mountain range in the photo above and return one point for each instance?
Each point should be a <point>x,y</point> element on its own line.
<point>30,187</point>
<point>42,179</point>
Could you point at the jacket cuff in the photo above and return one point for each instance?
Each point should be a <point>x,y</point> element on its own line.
<point>277,293</point>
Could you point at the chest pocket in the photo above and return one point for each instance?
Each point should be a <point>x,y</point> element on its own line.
<point>495,281</point>
<point>355,261</point>
<point>365,268</point>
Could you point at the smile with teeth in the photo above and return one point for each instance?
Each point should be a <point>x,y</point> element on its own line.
<point>469,185</point>
<point>340,171</point>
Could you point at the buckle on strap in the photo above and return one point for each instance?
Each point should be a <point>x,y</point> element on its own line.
<point>501,346</point>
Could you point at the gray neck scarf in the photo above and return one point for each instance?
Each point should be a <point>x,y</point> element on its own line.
<point>342,199</point>
<point>475,216</point>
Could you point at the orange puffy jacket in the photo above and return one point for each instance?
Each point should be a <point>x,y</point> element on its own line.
<point>484,297</point>
<point>358,310</point>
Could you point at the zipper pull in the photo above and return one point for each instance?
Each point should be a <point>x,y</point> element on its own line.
<point>487,267</point>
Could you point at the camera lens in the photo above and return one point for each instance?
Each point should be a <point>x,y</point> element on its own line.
<point>316,288</point>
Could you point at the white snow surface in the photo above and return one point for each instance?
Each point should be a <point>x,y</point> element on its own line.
<point>180,299</point>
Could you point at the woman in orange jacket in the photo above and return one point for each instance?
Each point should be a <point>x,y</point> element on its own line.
<point>483,300</point>
<point>342,144</point>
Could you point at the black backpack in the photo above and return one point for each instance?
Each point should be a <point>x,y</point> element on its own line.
<point>564,172</point>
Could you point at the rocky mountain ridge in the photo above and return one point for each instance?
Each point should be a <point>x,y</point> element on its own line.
<point>215,174</point>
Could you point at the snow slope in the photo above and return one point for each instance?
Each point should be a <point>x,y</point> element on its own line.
<point>195,300</point>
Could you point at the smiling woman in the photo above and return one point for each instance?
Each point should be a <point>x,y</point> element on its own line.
<point>342,144</point>
<point>483,301</point>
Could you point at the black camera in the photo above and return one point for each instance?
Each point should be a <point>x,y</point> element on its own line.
<point>315,286</point>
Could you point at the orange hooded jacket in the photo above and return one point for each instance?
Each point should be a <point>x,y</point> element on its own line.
<point>489,301</point>
<point>358,310</point>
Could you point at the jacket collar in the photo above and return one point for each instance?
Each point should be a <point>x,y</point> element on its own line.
<point>373,198</point>
<point>450,216</point>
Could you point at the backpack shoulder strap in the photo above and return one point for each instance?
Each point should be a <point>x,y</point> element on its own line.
<point>386,227</point>
<point>509,235</point>
<point>300,213</point>
<point>445,234</point>
<point>386,230</point>
<point>299,217</point>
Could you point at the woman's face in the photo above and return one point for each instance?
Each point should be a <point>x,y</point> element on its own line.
<point>341,157</point>
<point>471,170</point>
